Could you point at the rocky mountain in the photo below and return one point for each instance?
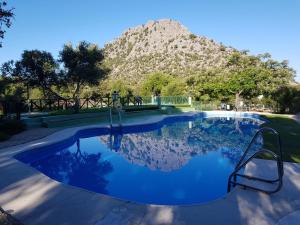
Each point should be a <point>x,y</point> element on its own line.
<point>163,45</point>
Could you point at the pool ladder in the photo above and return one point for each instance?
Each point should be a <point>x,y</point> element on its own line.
<point>111,118</point>
<point>232,179</point>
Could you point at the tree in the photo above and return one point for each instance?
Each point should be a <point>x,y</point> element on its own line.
<point>35,69</point>
<point>209,85</point>
<point>155,83</point>
<point>174,88</point>
<point>11,95</point>
<point>83,66</point>
<point>9,91</point>
<point>120,86</point>
<point>6,16</point>
<point>288,99</point>
<point>250,76</point>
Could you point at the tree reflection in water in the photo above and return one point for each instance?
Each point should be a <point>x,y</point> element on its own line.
<point>77,168</point>
<point>172,146</point>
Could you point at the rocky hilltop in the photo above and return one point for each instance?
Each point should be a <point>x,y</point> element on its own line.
<point>163,45</point>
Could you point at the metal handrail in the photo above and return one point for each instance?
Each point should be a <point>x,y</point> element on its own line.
<point>111,119</point>
<point>110,116</point>
<point>241,164</point>
<point>261,131</point>
<point>120,118</point>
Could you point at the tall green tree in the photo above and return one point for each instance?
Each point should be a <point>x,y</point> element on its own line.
<point>83,66</point>
<point>250,76</point>
<point>121,87</point>
<point>288,99</point>
<point>175,87</point>
<point>6,16</point>
<point>155,83</point>
<point>35,69</point>
<point>209,84</point>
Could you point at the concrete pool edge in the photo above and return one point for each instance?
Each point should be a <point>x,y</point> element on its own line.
<point>20,176</point>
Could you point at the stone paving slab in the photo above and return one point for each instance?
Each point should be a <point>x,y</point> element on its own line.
<point>35,199</point>
<point>28,135</point>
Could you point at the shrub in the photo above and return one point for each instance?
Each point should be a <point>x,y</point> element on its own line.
<point>222,48</point>
<point>155,83</point>
<point>288,99</point>
<point>10,127</point>
<point>192,36</point>
<point>174,88</point>
<point>3,136</point>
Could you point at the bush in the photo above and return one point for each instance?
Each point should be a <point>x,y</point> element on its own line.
<point>288,99</point>
<point>3,136</point>
<point>174,88</point>
<point>193,36</point>
<point>11,127</point>
<point>155,83</point>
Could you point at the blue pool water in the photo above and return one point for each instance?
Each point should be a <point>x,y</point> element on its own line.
<point>179,161</point>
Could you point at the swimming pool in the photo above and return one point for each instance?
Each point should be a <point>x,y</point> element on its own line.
<point>180,160</point>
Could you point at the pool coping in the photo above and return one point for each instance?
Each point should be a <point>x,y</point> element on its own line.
<point>117,210</point>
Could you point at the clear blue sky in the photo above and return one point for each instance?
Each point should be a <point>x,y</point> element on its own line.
<point>258,25</point>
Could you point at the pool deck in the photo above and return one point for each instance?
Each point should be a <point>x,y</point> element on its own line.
<point>34,198</point>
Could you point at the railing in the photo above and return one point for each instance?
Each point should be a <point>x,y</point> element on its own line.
<point>120,118</point>
<point>111,117</point>
<point>171,100</point>
<point>232,180</point>
<point>46,105</point>
<point>40,105</point>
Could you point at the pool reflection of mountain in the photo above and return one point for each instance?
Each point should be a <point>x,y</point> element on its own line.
<point>172,146</point>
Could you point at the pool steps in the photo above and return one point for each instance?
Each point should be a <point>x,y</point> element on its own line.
<point>254,182</point>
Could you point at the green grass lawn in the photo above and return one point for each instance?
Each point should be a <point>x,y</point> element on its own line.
<point>289,131</point>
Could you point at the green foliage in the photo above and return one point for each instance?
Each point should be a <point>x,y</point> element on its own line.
<point>208,85</point>
<point>192,36</point>
<point>6,16</point>
<point>155,83</point>
<point>10,127</point>
<point>175,87</point>
<point>4,136</point>
<point>35,69</point>
<point>9,91</point>
<point>244,76</point>
<point>82,67</point>
<point>250,76</point>
<point>121,87</point>
<point>36,93</point>
<point>288,99</point>
<point>205,98</point>
<point>222,48</point>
